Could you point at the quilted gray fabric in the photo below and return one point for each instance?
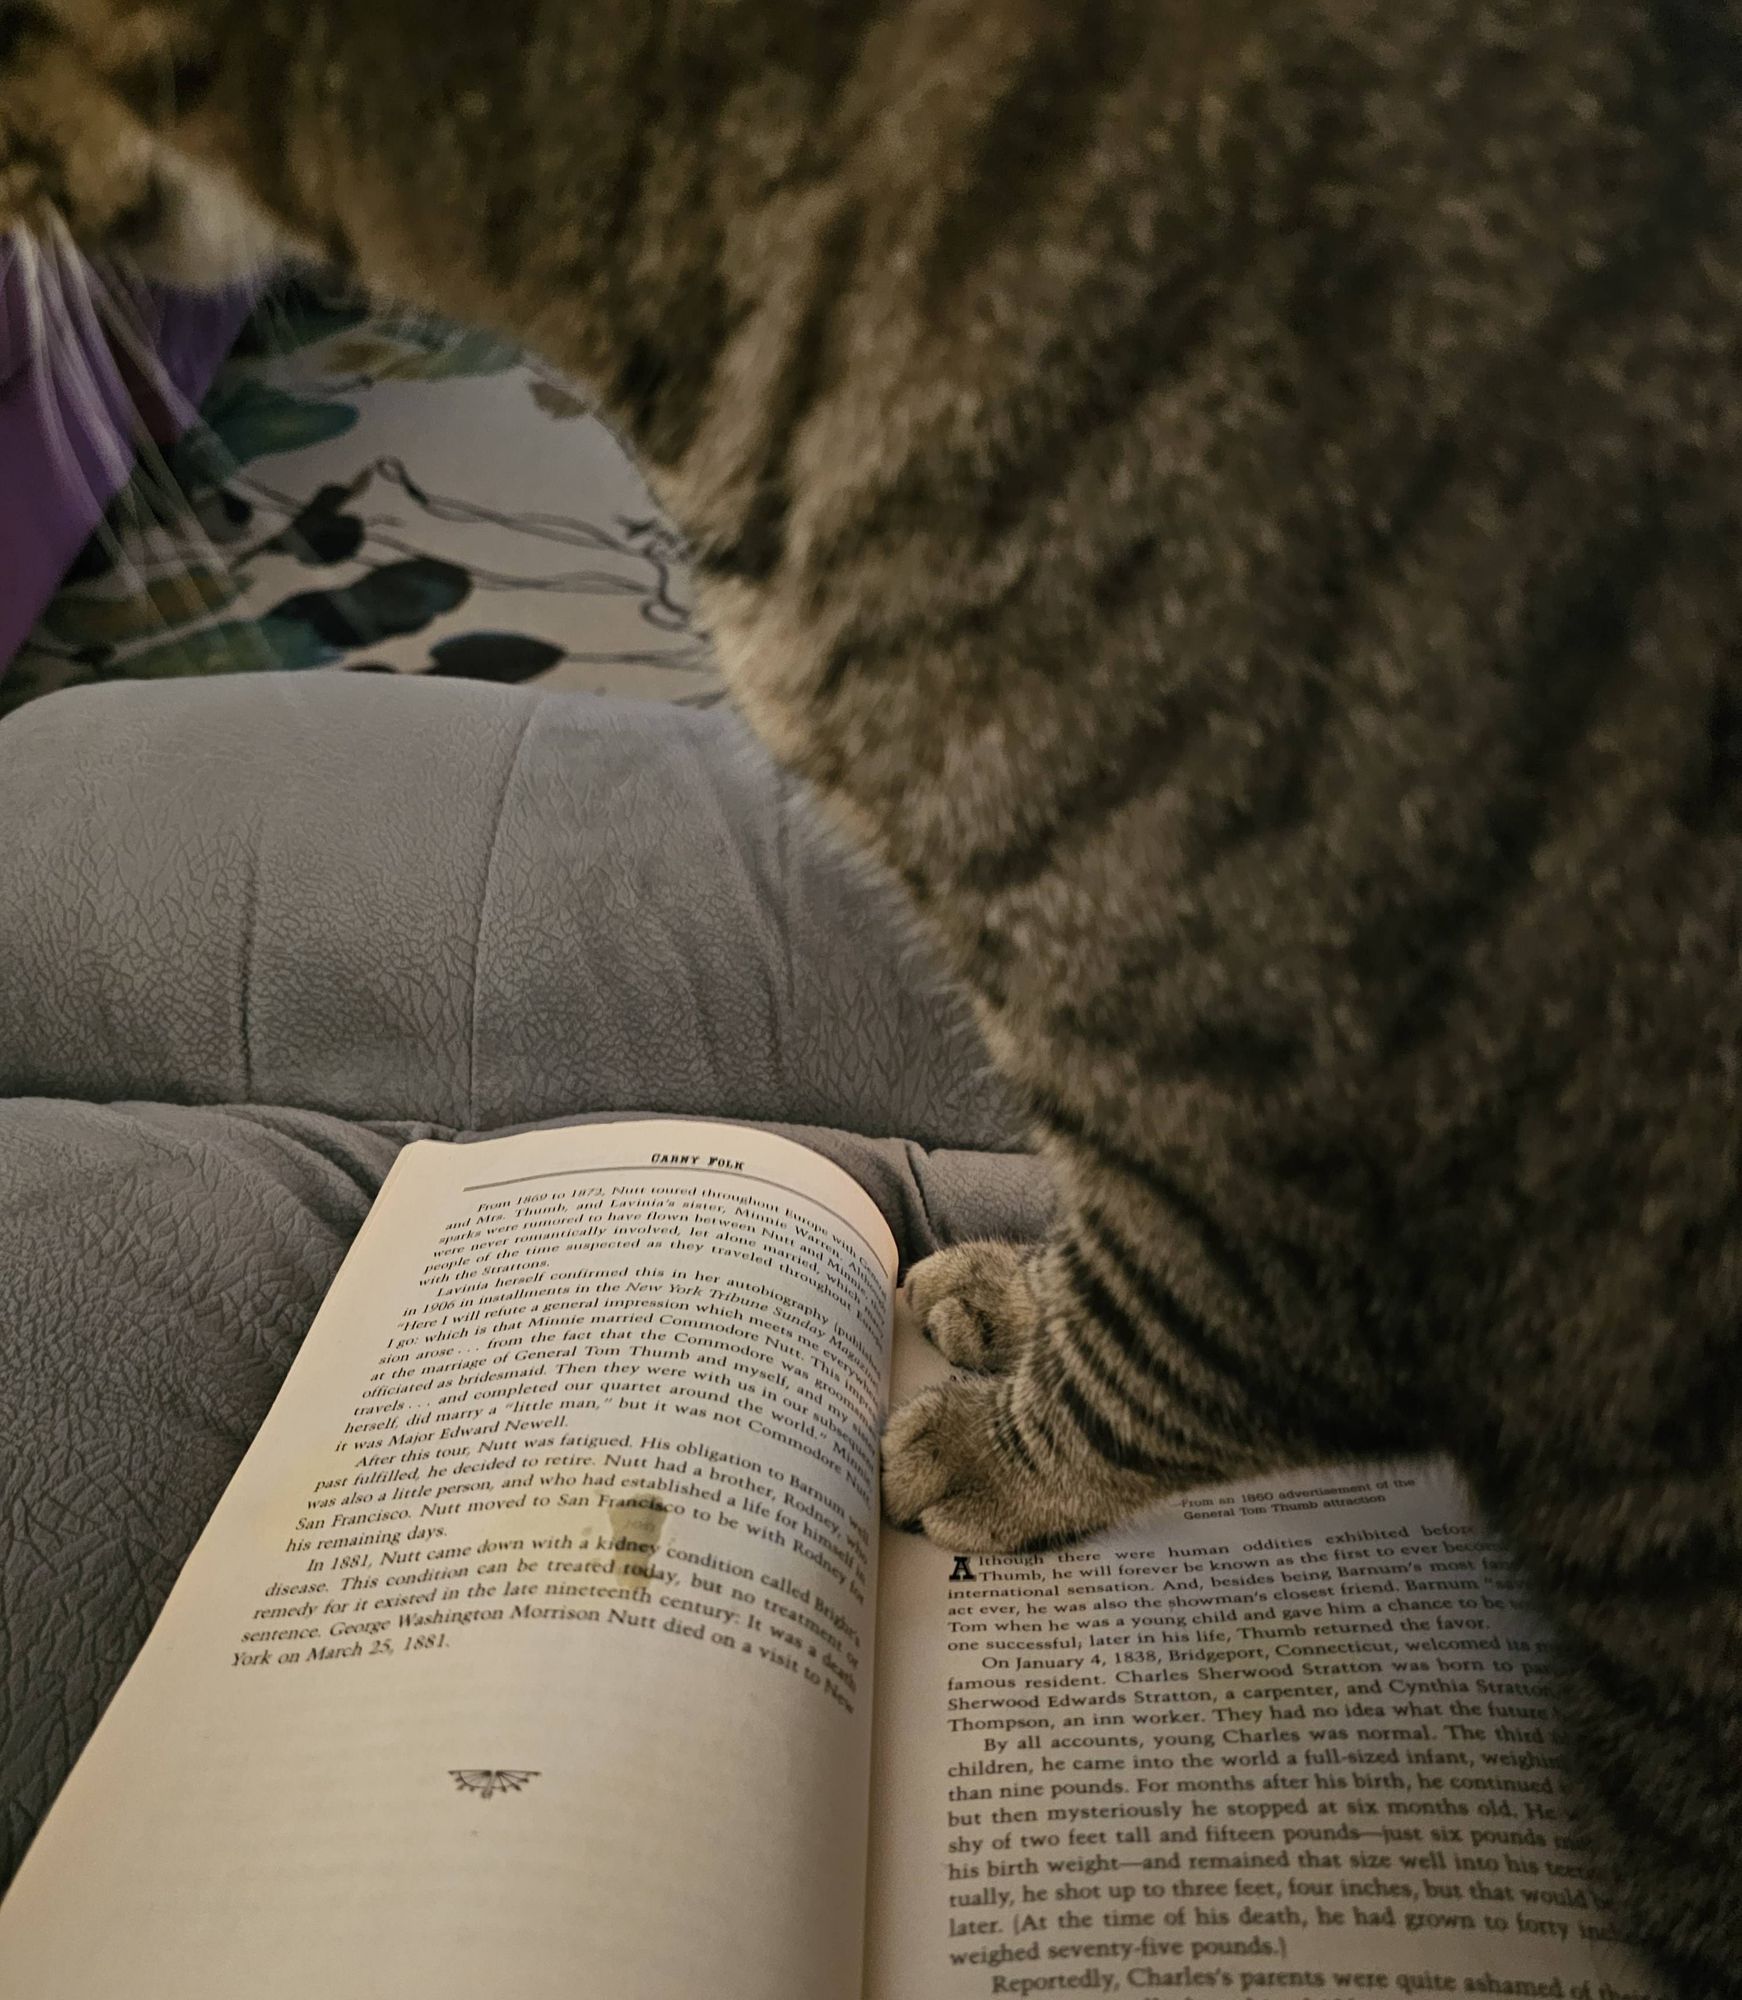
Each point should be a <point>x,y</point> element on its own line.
<point>256,933</point>
<point>158,1267</point>
<point>443,901</point>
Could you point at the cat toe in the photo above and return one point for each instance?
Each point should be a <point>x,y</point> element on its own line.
<point>916,1473</point>
<point>974,1304</point>
<point>951,1473</point>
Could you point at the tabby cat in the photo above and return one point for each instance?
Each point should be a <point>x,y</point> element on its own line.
<point>1236,502</point>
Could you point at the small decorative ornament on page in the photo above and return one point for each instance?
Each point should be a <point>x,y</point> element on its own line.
<point>486,1784</point>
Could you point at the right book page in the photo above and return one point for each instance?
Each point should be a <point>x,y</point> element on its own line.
<point>1298,1737</point>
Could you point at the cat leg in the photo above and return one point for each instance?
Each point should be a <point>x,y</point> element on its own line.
<point>1645,1579</point>
<point>1655,1755</point>
<point>1103,1402</point>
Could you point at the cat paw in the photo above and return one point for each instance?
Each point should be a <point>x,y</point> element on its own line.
<point>974,1304</point>
<point>956,1468</point>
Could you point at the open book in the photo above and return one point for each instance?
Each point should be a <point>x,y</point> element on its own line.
<point>543,1645</point>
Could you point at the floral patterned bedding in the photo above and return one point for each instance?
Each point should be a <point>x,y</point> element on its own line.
<point>380,494</point>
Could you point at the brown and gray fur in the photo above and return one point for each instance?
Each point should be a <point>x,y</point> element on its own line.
<point>1236,503</point>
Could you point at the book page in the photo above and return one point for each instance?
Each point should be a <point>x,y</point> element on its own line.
<point>1296,1737</point>
<point>529,1652</point>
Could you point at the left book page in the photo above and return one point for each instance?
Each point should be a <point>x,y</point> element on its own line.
<point>529,1651</point>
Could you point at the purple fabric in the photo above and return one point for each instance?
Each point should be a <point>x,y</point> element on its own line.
<point>46,514</point>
